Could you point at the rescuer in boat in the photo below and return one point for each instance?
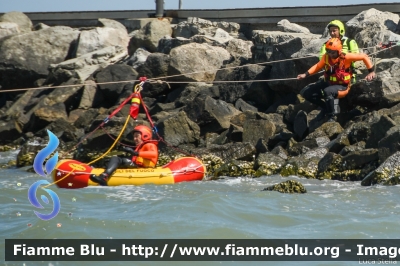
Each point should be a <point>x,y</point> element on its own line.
<point>145,155</point>
<point>337,77</point>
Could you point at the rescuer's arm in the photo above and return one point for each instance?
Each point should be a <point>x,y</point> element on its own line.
<point>358,57</point>
<point>314,69</point>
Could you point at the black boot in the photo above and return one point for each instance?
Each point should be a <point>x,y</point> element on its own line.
<point>101,179</point>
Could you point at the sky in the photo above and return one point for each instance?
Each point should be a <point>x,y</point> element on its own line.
<point>85,5</point>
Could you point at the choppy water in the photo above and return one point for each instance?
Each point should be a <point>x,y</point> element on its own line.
<point>233,208</point>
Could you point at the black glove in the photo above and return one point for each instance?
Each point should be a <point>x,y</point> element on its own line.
<point>129,150</point>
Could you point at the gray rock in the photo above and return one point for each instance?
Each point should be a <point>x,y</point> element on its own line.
<point>22,20</point>
<point>197,26</point>
<point>113,91</point>
<point>101,37</point>
<point>167,43</point>
<point>89,98</point>
<point>286,26</point>
<point>84,66</point>
<point>138,58</point>
<point>149,36</point>
<point>254,129</point>
<point>378,131</point>
<point>300,125</point>
<point>9,131</point>
<point>388,173</point>
<point>179,129</point>
<point>197,62</point>
<point>357,24</point>
<point>256,92</point>
<point>243,106</point>
<point>8,28</point>
<point>155,66</point>
<point>45,115</point>
<point>212,114</point>
<point>231,151</point>
<point>389,144</point>
<point>20,67</point>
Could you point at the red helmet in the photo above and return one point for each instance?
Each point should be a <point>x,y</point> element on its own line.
<point>334,44</point>
<point>144,131</point>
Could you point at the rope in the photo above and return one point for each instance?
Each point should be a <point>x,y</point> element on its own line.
<point>133,81</point>
<point>228,81</point>
<point>111,137</point>
<point>190,73</point>
<point>55,182</point>
<point>68,86</point>
<point>115,142</point>
<point>264,63</point>
<point>384,49</point>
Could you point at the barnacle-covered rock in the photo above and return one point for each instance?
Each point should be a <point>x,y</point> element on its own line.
<point>212,162</point>
<point>388,173</point>
<point>6,148</point>
<point>267,164</point>
<point>290,186</point>
<point>235,168</point>
<point>302,165</point>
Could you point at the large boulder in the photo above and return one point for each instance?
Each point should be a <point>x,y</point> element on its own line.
<point>179,129</point>
<point>149,36</point>
<point>138,58</point>
<point>388,173</point>
<point>240,50</point>
<point>167,43</point>
<point>253,130</point>
<point>9,131</point>
<point>19,18</point>
<point>47,114</point>
<point>113,90</point>
<point>197,26</point>
<point>210,114</point>
<point>280,46</point>
<point>101,37</point>
<point>186,94</point>
<point>370,94</point>
<point>389,144</point>
<point>8,28</point>
<point>386,20</point>
<point>364,27</point>
<point>155,66</point>
<point>255,92</point>
<point>84,66</point>
<point>23,61</point>
<point>286,26</point>
<point>197,62</point>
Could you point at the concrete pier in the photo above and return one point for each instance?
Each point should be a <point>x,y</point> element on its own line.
<point>312,17</point>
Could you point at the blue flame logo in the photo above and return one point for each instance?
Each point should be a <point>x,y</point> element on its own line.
<point>34,201</point>
<point>49,166</point>
<point>41,156</point>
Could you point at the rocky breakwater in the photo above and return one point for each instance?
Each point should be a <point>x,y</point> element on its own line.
<point>212,91</point>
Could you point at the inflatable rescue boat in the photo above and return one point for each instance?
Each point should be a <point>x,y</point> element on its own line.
<point>74,174</point>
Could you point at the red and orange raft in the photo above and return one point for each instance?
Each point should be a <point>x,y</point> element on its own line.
<point>74,174</point>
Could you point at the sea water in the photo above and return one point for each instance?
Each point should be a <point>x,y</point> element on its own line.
<point>229,208</point>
